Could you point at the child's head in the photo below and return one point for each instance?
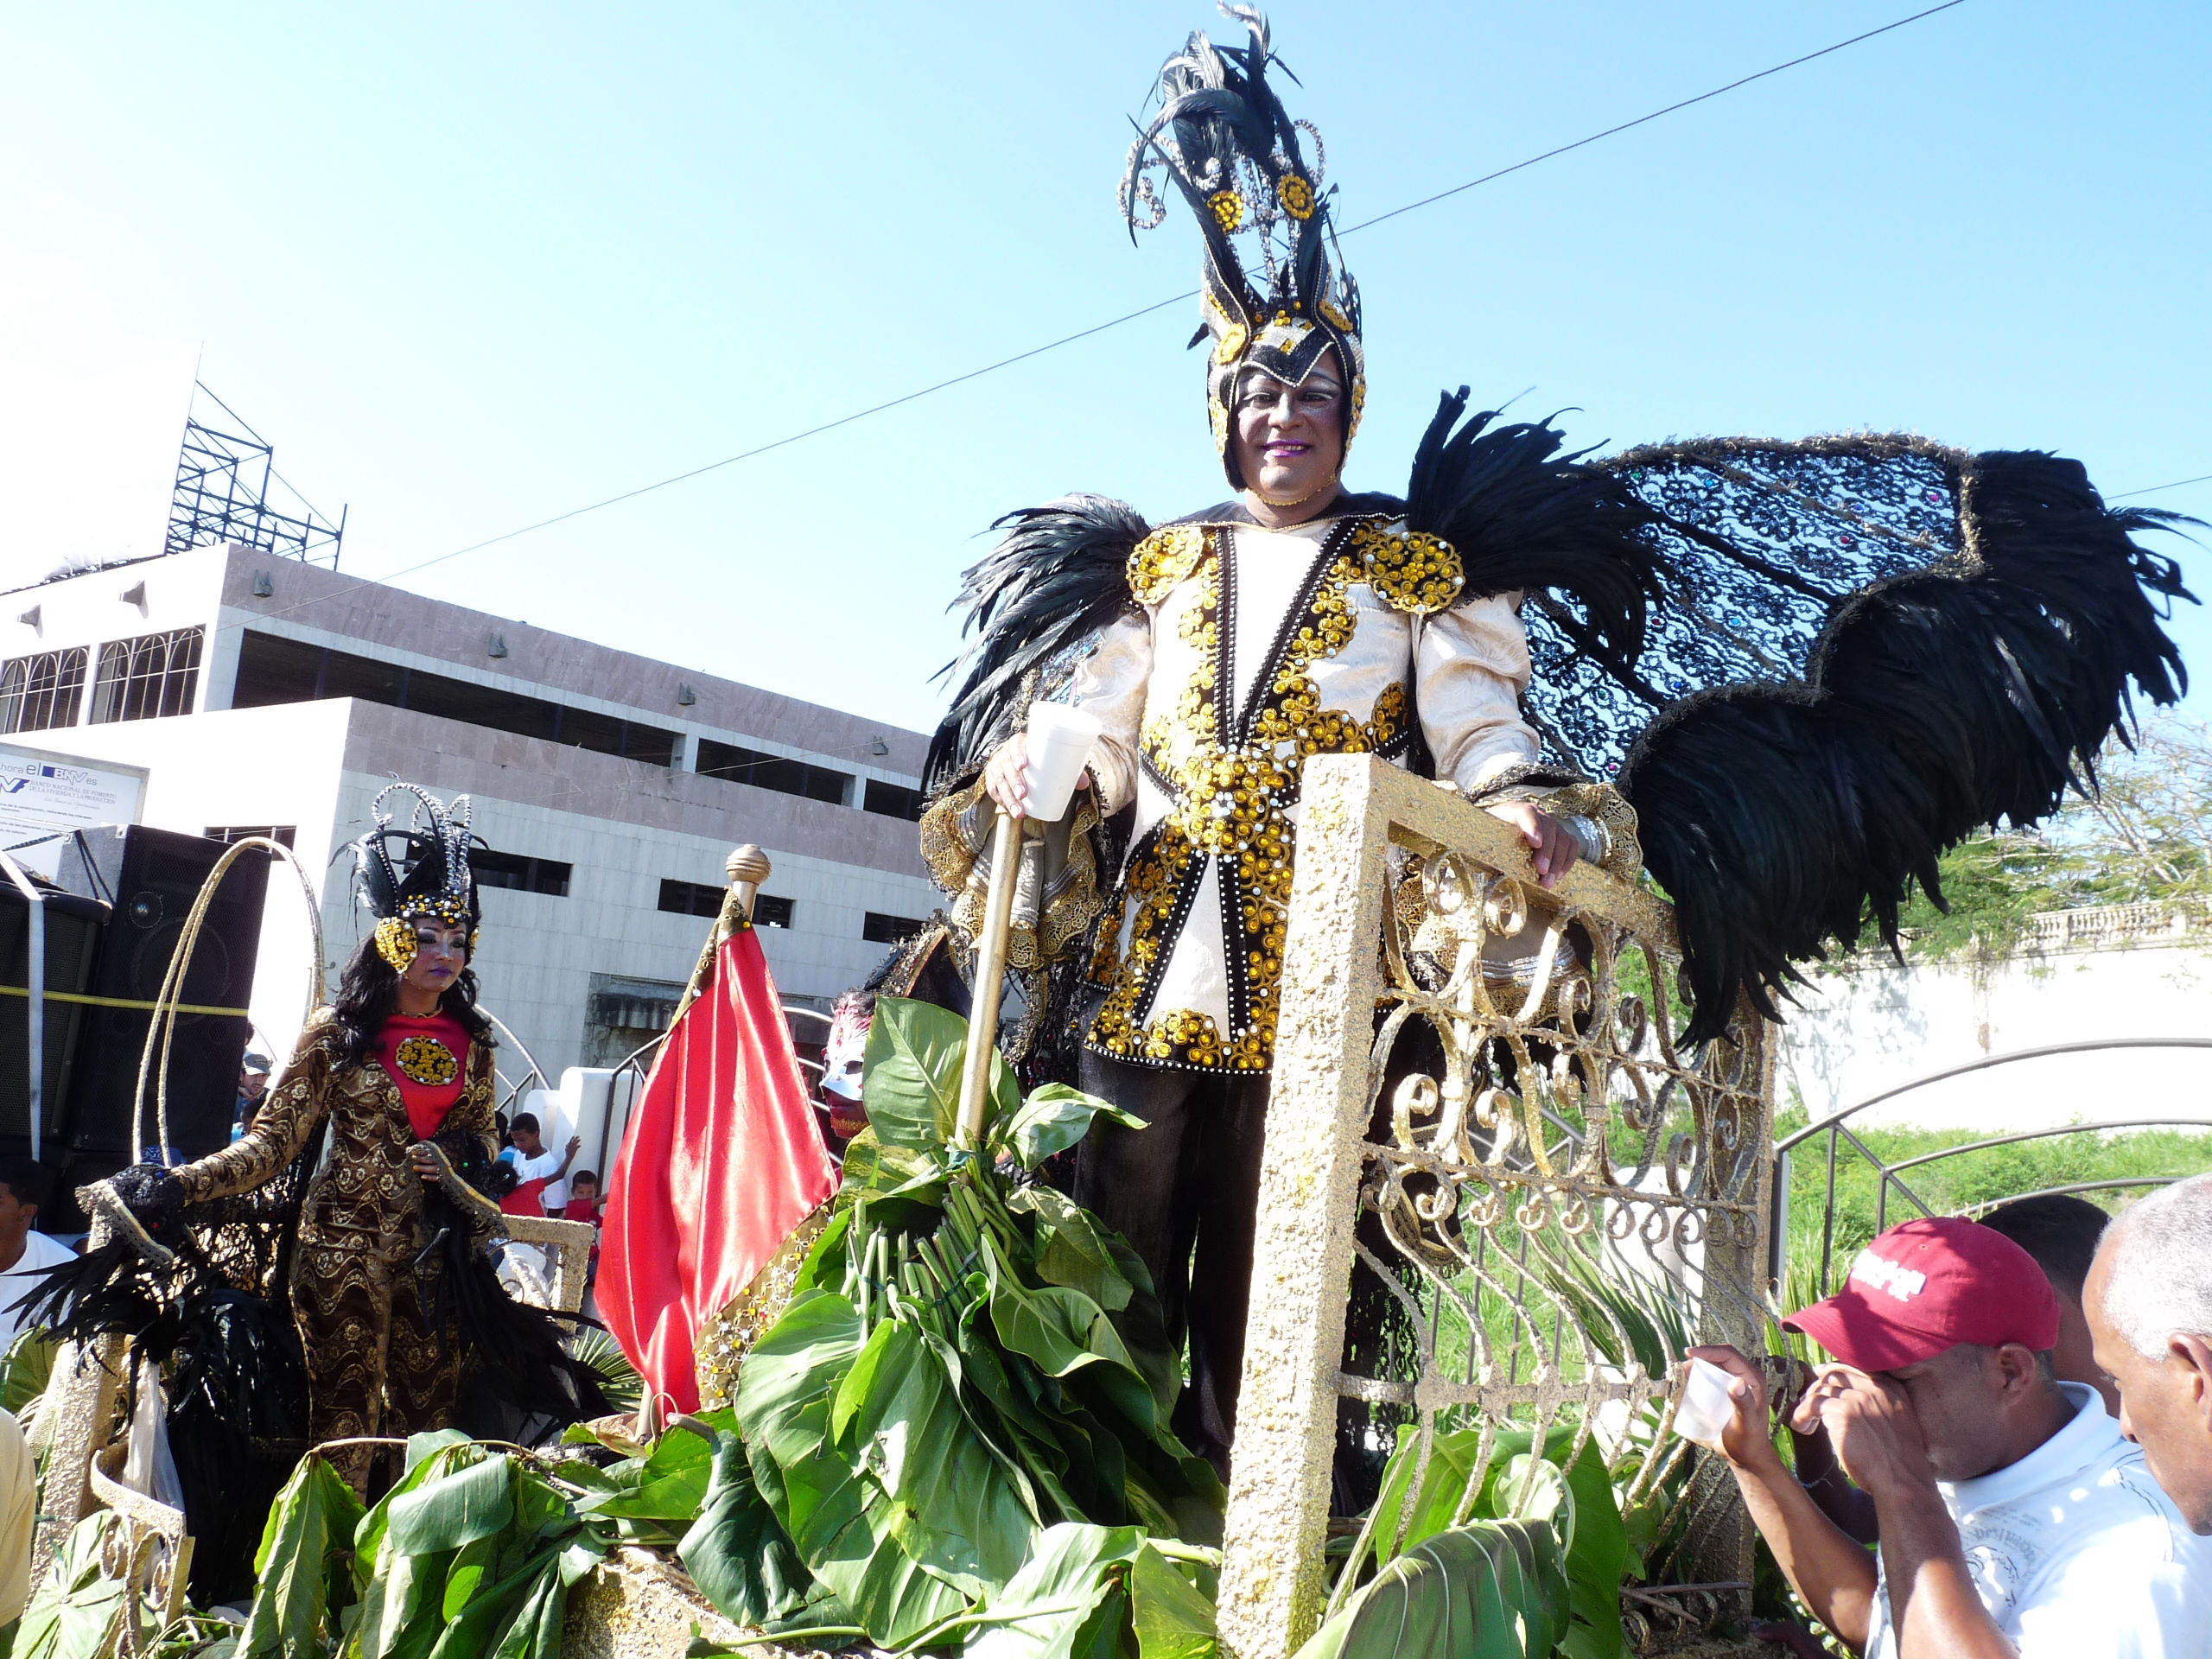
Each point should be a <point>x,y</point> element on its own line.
<point>584,1184</point>
<point>524,1132</point>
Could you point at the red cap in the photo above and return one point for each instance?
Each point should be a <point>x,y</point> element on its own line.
<point>1927,1285</point>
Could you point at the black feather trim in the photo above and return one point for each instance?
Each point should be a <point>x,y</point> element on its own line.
<point>1526,514</point>
<point>510,1351</point>
<point>1034,603</point>
<point>1971,691</point>
<point>238,1424</point>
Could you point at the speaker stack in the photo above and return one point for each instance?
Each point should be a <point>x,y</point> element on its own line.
<point>119,899</point>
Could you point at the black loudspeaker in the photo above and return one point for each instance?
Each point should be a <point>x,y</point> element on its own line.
<point>151,878</point>
<point>73,927</point>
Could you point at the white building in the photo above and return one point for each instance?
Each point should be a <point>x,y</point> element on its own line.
<point>2135,978</point>
<point>259,693</point>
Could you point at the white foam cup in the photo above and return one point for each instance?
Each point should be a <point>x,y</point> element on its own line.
<point>1706,1409</point>
<point>1059,744</point>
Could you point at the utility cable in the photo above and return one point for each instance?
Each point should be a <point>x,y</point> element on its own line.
<point>1159,305</point>
<point>2201,478</point>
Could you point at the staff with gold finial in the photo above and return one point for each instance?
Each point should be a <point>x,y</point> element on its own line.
<point>1056,749</point>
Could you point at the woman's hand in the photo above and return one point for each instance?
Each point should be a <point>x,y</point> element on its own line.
<point>425,1163</point>
<point>1553,848</point>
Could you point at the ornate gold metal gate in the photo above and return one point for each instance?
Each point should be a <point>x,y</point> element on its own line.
<point>1489,1112</point>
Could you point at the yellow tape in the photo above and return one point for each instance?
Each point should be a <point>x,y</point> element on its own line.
<point>126,1002</point>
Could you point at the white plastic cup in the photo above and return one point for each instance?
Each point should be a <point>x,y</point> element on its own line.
<point>1059,745</point>
<point>1706,1409</point>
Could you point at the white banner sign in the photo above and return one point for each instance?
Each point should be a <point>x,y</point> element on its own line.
<point>41,793</point>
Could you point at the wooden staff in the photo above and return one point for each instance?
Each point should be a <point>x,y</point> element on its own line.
<point>1007,835</point>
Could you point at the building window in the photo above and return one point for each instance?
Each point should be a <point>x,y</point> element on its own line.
<point>284,834</point>
<point>878,929</point>
<point>691,897</point>
<point>771,913</point>
<point>776,771</point>
<point>153,674</point>
<point>893,800</point>
<point>40,693</point>
<point>524,874</point>
<point>272,670</point>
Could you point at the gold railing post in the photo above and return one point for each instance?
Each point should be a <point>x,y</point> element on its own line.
<point>1272,1564</point>
<point>1559,1058</point>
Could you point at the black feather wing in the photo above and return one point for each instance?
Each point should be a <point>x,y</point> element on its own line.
<point>1035,604</point>
<point>1526,514</point>
<point>1867,648</point>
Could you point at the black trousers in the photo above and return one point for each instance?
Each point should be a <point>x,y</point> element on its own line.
<point>1184,1191</point>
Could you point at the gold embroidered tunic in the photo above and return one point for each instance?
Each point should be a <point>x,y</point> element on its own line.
<point>1256,649</point>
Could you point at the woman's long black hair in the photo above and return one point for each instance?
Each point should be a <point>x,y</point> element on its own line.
<point>368,992</point>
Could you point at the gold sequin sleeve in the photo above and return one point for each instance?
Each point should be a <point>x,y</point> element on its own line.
<point>1471,664</point>
<point>1111,683</point>
<point>473,1112</point>
<point>289,1116</point>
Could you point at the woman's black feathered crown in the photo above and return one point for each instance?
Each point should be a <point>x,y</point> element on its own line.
<point>435,880</point>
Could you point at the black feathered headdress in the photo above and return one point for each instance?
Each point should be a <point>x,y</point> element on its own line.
<point>435,880</point>
<point>1243,165</point>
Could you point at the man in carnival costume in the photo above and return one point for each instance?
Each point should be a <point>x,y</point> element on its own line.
<point>1806,668</point>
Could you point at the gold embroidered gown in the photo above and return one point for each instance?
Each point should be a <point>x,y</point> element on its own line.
<point>379,1362</point>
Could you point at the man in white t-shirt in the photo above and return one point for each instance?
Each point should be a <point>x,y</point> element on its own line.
<point>23,1249</point>
<point>2016,1522</point>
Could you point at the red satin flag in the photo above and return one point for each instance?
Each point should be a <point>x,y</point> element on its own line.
<point>722,1161</point>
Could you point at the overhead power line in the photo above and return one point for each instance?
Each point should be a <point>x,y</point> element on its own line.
<point>2201,478</point>
<point>1161,305</point>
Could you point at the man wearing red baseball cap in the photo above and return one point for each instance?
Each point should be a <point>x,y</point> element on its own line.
<point>2015,1519</point>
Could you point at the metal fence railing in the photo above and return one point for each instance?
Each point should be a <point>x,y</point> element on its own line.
<point>1834,1133</point>
<point>1546,1199</point>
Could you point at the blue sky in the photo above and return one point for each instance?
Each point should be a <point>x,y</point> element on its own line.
<point>470,267</point>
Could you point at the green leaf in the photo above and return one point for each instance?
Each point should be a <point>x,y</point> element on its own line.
<point>1490,1590</point>
<point>1072,1247</point>
<point>874,1168</point>
<point>736,1552</point>
<point>305,1543</point>
<point>1174,1619</point>
<point>972,1522</point>
<point>1599,1556</point>
<point>916,1051</point>
<point>671,1485</point>
<point>617,1377</point>
<point>1057,1329</point>
<point>73,1613</point>
<point>459,1508</point>
<point>785,1386</point>
<point>430,1443</point>
<point>843,1525</point>
<point>1044,1610</point>
<point>1055,1118</point>
<point>30,1364</point>
<point>858,1382</point>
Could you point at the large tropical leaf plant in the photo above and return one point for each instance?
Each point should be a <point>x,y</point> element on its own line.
<point>968,1357</point>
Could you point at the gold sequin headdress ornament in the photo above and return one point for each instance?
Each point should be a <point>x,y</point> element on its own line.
<point>434,883</point>
<point>1244,167</point>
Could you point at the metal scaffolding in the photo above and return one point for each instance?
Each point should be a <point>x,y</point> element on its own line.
<point>223,494</point>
